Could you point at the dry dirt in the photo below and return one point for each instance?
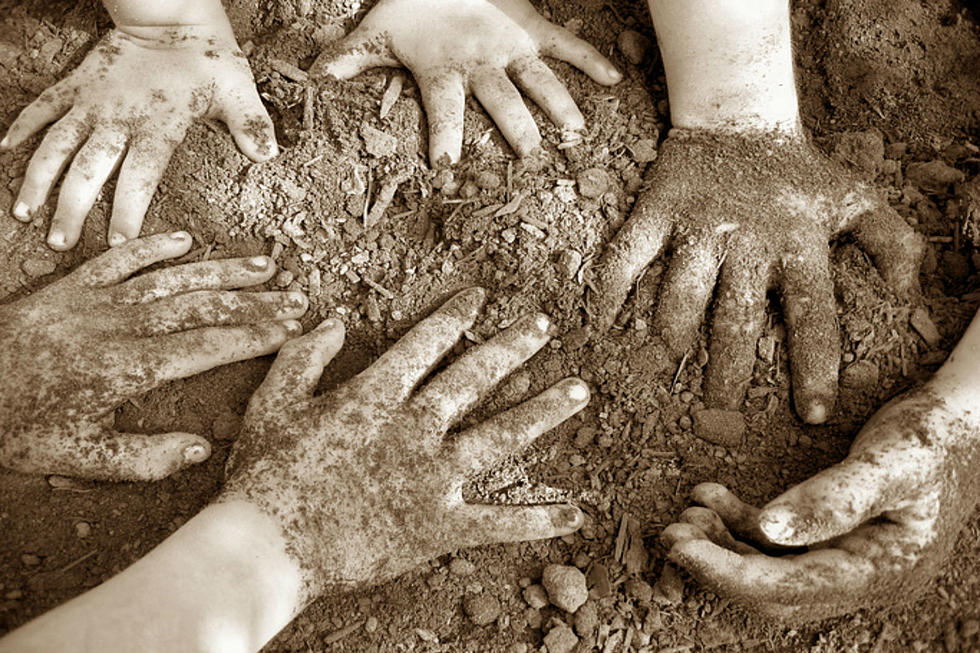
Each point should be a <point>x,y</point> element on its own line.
<point>902,72</point>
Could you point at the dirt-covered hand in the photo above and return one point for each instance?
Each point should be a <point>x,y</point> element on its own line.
<point>879,524</point>
<point>363,480</point>
<point>127,107</point>
<point>740,215</point>
<point>455,47</point>
<point>72,352</point>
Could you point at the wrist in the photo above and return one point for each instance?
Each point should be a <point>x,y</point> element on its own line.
<point>149,20</point>
<point>729,64</point>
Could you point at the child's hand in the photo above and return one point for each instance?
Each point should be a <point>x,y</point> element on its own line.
<point>749,213</point>
<point>128,107</point>
<point>454,47</point>
<point>879,524</point>
<point>363,480</point>
<point>73,351</point>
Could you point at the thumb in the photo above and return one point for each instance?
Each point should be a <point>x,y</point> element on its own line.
<point>362,49</point>
<point>242,110</point>
<point>834,502</point>
<point>486,524</point>
<point>105,454</point>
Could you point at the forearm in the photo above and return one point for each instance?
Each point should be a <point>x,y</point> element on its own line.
<point>222,582</point>
<point>136,14</point>
<point>729,63</point>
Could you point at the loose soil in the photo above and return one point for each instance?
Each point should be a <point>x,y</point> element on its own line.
<point>905,73</point>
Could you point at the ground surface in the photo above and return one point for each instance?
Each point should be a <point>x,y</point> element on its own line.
<point>906,70</point>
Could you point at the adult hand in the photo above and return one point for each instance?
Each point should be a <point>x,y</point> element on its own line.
<point>879,524</point>
<point>362,479</point>
<point>72,352</point>
<point>127,107</point>
<point>747,213</point>
<point>455,47</point>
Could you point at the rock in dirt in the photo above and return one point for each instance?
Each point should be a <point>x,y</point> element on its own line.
<point>461,567</point>
<point>560,639</point>
<point>487,180</point>
<point>925,327</point>
<point>587,619</point>
<point>378,143</point>
<point>566,586</point>
<point>482,609</point>
<point>722,427</point>
<point>592,183</point>
<point>536,596</point>
<point>644,150</point>
<point>569,261</point>
<point>633,45</point>
<point>36,267</point>
<point>598,581</point>
<point>669,589</point>
<point>933,175</point>
<point>863,150</point>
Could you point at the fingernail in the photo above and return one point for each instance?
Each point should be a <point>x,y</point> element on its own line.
<point>777,523</point>
<point>258,263</point>
<point>195,453</point>
<point>5,143</point>
<point>179,235</point>
<point>293,327</point>
<point>116,239</point>
<point>569,517</point>
<point>57,240</point>
<point>22,211</point>
<point>578,392</point>
<point>330,324</point>
<point>816,414</point>
<point>542,322</point>
<point>614,74</point>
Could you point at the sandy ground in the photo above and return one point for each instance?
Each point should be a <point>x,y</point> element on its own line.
<point>902,73</point>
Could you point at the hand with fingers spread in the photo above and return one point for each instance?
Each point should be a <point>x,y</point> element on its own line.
<point>362,480</point>
<point>72,352</point>
<point>455,47</point>
<point>127,107</point>
<point>329,493</point>
<point>878,525</point>
<point>742,214</point>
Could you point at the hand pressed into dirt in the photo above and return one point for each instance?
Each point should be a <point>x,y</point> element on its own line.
<point>72,352</point>
<point>363,480</point>
<point>455,47</point>
<point>740,215</point>
<point>127,107</point>
<point>879,524</point>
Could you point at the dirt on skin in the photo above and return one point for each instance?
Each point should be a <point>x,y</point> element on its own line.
<point>893,75</point>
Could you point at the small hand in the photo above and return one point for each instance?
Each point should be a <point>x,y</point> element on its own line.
<point>127,107</point>
<point>747,213</point>
<point>75,350</point>
<point>363,480</point>
<point>879,524</point>
<point>454,47</point>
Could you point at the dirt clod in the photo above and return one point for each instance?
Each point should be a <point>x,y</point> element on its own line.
<point>482,609</point>
<point>566,587</point>
<point>722,427</point>
<point>560,639</point>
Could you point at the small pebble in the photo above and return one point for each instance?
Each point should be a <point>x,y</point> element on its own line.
<point>378,143</point>
<point>371,624</point>
<point>443,177</point>
<point>566,586</point>
<point>461,567</point>
<point>533,618</point>
<point>584,437</point>
<point>517,647</point>
<point>633,45</point>
<point>560,639</point>
<point>639,590</point>
<point>569,262</point>
<point>586,619</point>
<point>687,396</point>
<point>284,278</point>
<point>30,560</point>
<point>599,584</point>
<point>83,529</point>
<point>487,180</point>
<point>644,150</point>
<point>482,609</point>
<point>684,422</point>
<point>38,267</point>
<point>581,560</point>
<point>536,596</point>
<point>13,595</point>
<point>592,183</point>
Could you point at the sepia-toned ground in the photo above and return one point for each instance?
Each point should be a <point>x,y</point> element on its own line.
<point>905,73</point>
